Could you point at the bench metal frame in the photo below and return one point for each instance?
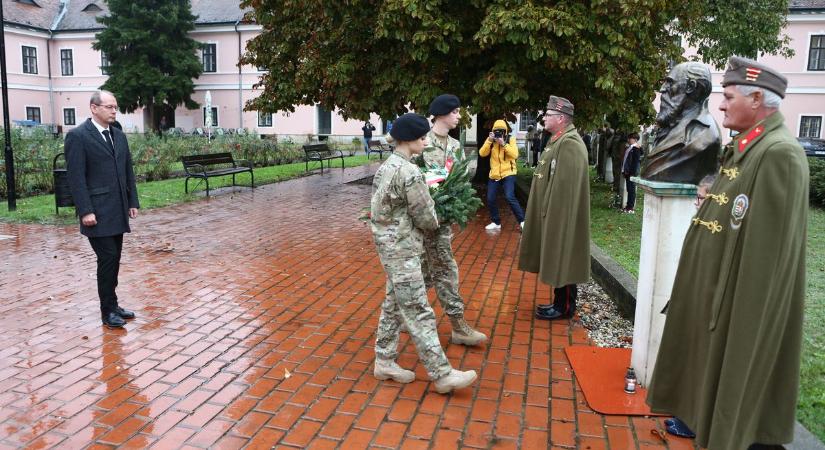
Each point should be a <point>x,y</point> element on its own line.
<point>321,153</point>
<point>196,166</point>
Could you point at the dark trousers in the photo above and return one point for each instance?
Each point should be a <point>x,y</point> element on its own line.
<point>564,299</point>
<point>631,193</point>
<point>509,185</point>
<point>108,250</point>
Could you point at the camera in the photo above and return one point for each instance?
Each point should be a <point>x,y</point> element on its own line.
<point>498,134</point>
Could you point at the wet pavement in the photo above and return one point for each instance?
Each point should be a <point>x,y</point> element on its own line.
<point>256,316</point>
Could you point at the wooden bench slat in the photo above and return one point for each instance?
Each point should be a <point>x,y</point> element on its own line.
<point>212,159</point>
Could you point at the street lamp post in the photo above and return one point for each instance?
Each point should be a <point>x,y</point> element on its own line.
<point>6,121</point>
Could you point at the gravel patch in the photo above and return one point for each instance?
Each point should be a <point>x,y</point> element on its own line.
<point>599,315</point>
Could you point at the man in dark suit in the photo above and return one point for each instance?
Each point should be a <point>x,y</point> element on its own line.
<point>102,182</point>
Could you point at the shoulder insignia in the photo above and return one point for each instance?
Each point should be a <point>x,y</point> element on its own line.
<point>743,144</point>
<point>737,212</point>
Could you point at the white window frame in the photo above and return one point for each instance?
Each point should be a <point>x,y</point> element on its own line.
<point>216,56</point>
<point>821,123</point>
<point>36,57</point>
<point>60,57</point>
<point>101,66</point>
<point>64,117</point>
<point>215,123</point>
<point>808,52</point>
<point>271,120</point>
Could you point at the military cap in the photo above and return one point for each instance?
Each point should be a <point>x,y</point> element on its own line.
<point>444,104</point>
<point>560,104</point>
<point>751,73</point>
<point>409,127</point>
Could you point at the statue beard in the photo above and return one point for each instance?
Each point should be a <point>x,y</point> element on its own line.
<point>669,114</point>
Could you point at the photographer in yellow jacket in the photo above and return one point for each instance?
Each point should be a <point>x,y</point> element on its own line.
<point>501,147</point>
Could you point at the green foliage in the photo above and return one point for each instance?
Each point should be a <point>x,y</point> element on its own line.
<point>817,192</point>
<point>156,194</point>
<point>498,56</point>
<point>152,59</point>
<point>154,157</point>
<point>34,151</point>
<point>455,199</point>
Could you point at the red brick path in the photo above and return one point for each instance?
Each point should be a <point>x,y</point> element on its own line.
<point>233,293</point>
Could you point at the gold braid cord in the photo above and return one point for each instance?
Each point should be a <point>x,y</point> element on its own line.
<point>731,173</point>
<point>722,199</point>
<point>714,226</point>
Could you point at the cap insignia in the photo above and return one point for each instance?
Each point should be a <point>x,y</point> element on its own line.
<point>752,73</point>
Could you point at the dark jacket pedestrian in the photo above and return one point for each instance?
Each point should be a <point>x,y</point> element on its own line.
<point>630,168</point>
<point>102,182</point>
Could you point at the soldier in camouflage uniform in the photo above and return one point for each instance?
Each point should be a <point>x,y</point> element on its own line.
<point>401,211</point>
<point>440,269</point>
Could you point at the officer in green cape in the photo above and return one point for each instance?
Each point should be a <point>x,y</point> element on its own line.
<point>556,239</point>
<point>728,364</point>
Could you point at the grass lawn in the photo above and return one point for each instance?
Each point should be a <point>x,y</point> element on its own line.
<point>619,235</point>
<point>157,194</point>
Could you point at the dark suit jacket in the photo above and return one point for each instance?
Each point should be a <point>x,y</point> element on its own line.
<point>632,161</point>
<point>101,183</point>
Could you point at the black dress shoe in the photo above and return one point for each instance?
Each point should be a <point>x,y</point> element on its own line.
<point>550,314</point>
<point>112,320</point>
<point>124,313</point>
<point>547,306</point>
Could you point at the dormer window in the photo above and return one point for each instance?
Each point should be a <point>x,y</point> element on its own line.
<point>92,8</point>
<point>28,2</point>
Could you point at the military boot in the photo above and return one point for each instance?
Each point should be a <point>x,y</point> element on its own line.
<point>456,379</point>
<point>463,334</point>
<point>388,369</point>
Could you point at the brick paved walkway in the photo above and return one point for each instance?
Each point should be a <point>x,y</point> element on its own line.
<point>233,293</point>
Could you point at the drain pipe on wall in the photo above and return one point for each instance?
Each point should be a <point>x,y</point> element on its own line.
<point>49,71</point>
<point>240,77</point>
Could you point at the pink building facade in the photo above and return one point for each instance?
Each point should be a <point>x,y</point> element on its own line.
<point>53,70</point>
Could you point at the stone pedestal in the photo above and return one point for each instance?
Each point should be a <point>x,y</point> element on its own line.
<point>668,210</point>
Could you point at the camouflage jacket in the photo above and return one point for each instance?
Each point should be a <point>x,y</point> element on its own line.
<point>436,153</point>
<point>401,209</point>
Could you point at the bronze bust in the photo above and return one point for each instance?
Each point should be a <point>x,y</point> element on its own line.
<point>687,142</point>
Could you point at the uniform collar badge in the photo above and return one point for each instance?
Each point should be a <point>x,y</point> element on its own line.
<point>743,144</point>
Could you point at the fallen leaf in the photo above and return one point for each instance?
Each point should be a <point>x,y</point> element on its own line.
<point>286,374</point>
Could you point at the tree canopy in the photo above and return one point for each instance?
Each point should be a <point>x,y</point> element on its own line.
<point>499,56</point>
<point>152,60</point>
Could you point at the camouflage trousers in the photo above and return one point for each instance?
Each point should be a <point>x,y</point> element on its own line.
<point>406,302</point>
<point>440,270</point>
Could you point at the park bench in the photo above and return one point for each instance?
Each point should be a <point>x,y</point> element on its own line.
<point>214,165</point>
<point>376,146</point>
<point>321,152</point>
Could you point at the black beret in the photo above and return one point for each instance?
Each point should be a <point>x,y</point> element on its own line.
<point>751,73</point>
<point>444,104</point>
<point>409,127</point>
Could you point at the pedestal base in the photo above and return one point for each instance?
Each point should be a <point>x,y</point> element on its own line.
<point>668,210</point>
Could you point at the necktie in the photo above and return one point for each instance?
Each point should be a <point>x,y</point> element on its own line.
<point>109,140</point>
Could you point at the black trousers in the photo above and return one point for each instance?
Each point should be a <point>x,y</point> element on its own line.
<point>564,299</point>
<point>108,250</point>
<point>631,193</point>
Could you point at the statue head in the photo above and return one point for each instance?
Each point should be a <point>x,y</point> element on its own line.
<point>686,87</point>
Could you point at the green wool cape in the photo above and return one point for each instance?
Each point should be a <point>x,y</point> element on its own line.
<point>728,364</point>
<point>556,238</point>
